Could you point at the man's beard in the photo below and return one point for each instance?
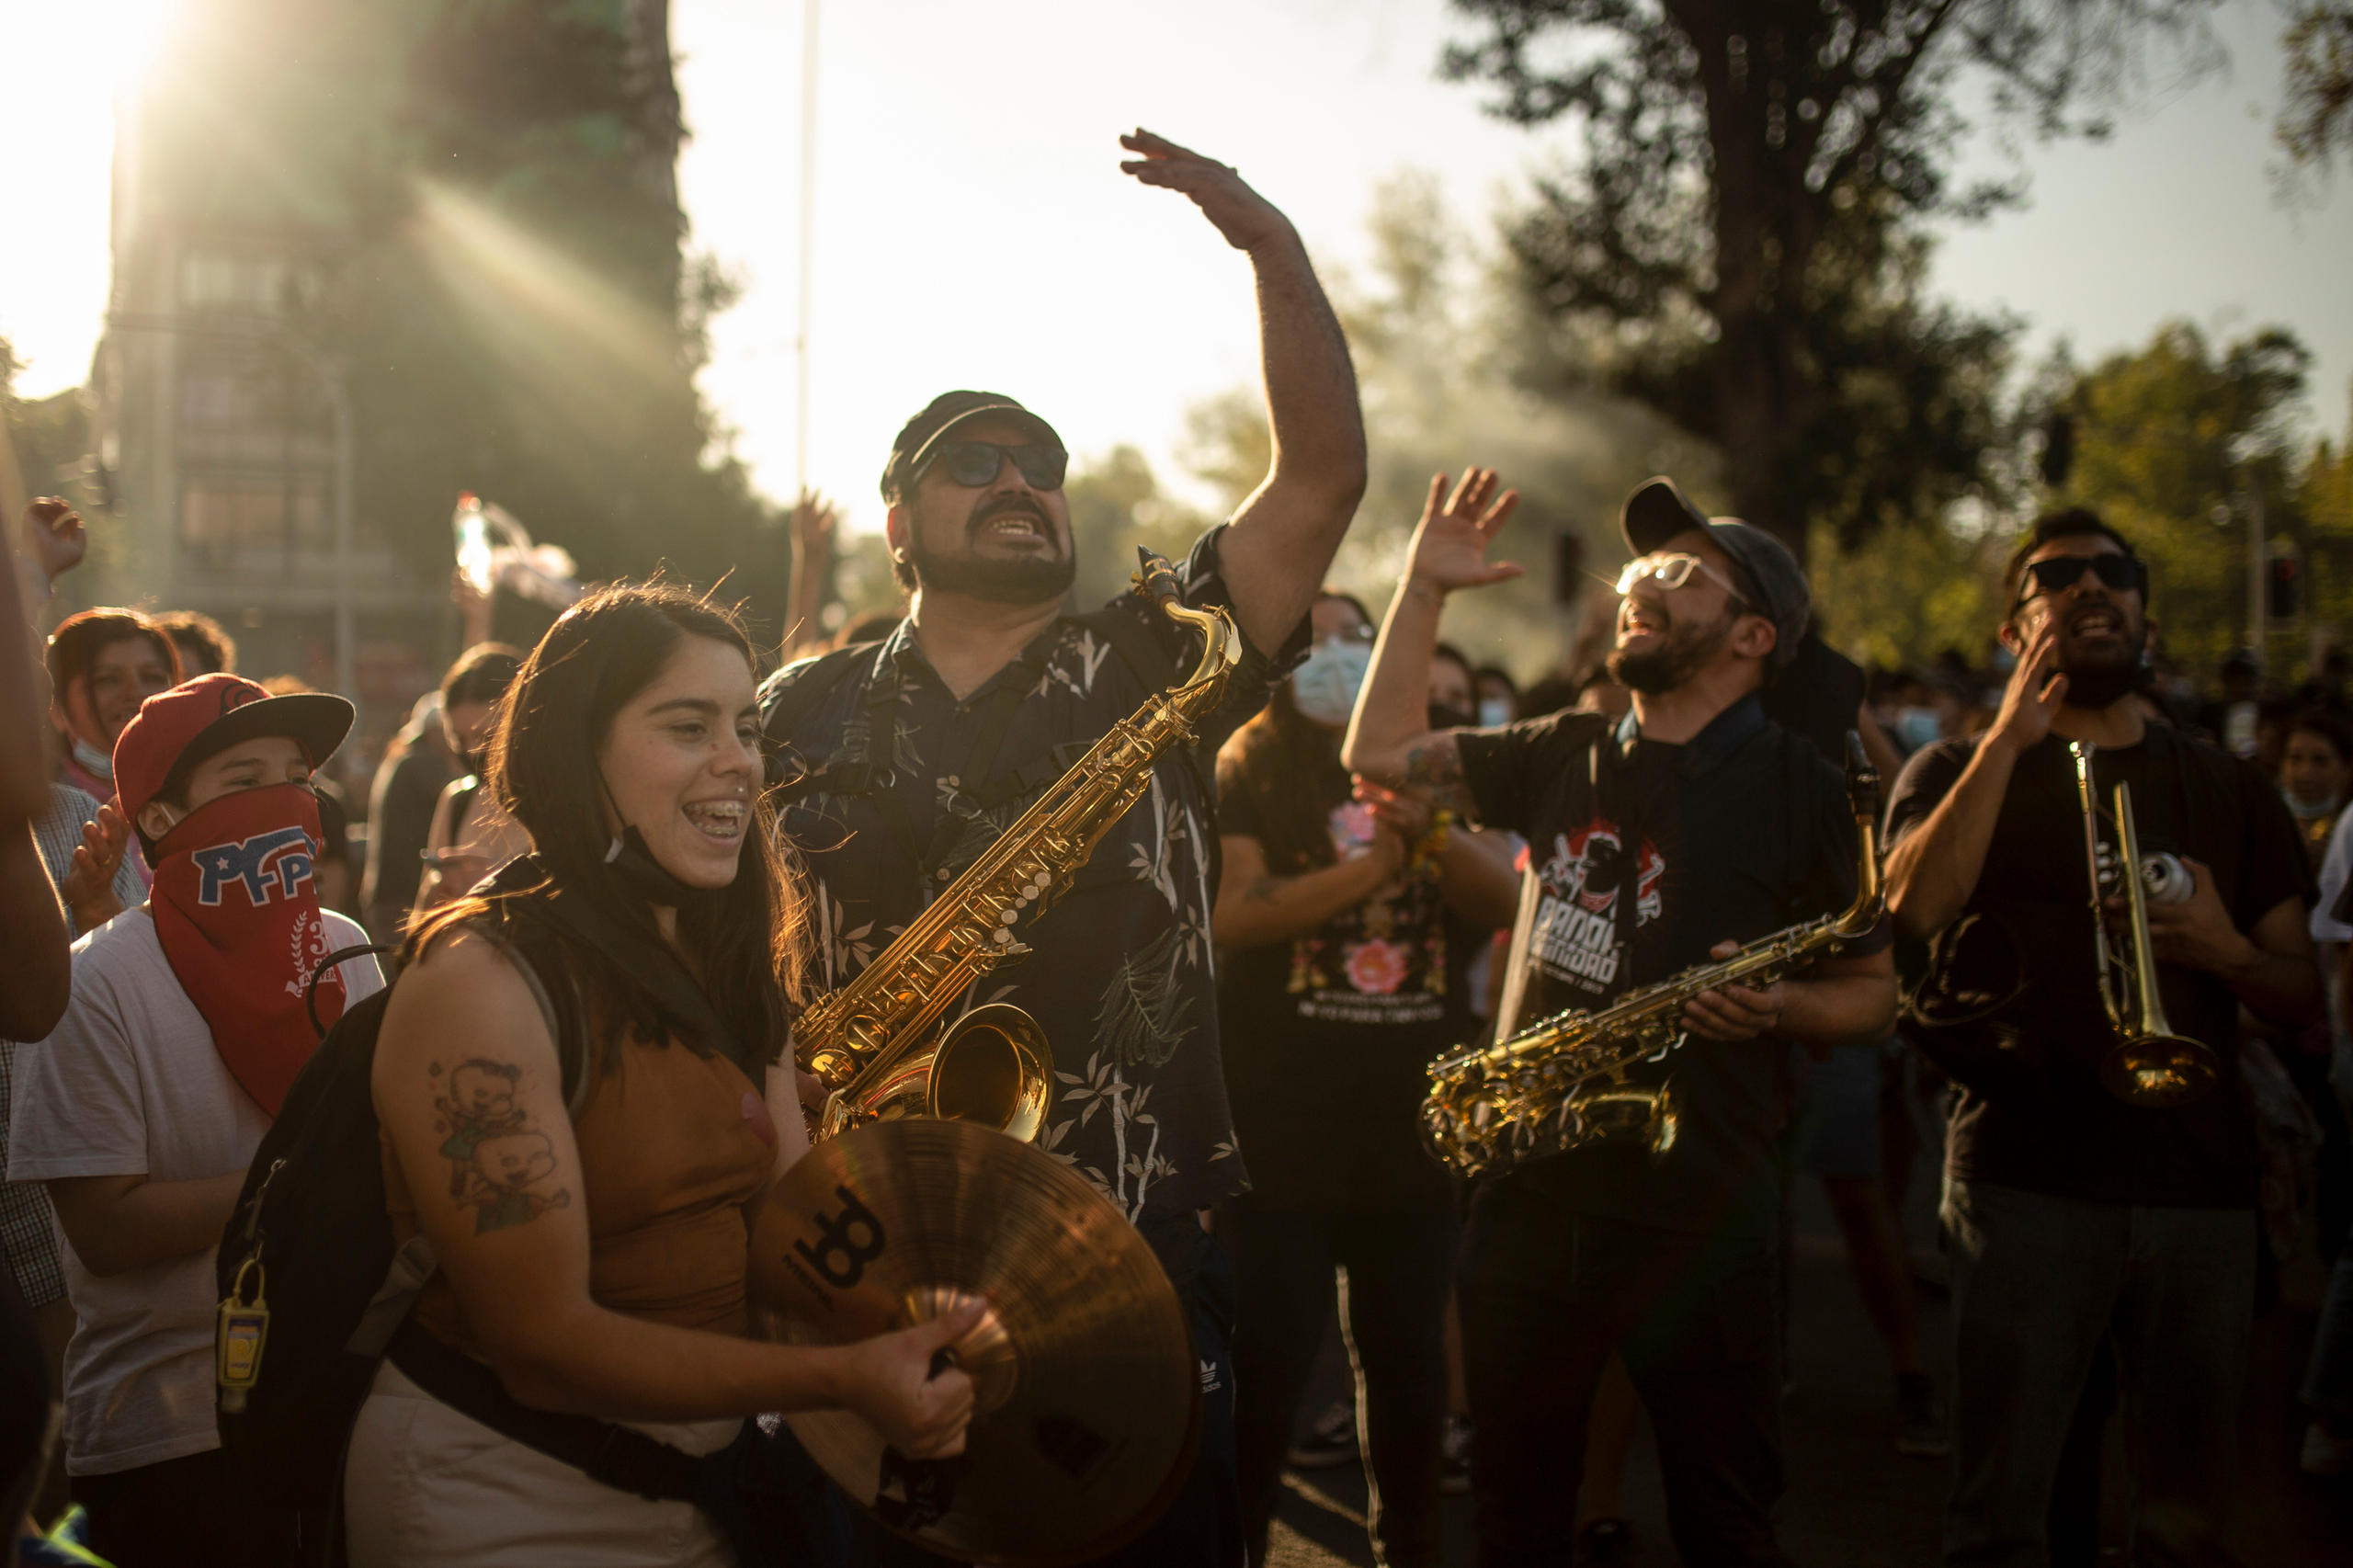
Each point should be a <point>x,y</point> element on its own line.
<point>1021,580</point>
<point>1677,657</point>
<point>2094,680</point>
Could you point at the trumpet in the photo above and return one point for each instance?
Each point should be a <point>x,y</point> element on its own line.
<point>2147,1064</point>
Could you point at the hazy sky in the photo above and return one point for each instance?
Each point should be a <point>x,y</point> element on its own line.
<point>973,229</point>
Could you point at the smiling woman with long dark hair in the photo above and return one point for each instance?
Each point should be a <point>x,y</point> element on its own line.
<point>583,1095</point>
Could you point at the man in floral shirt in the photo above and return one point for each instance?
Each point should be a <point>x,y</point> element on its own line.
<point>916,754</point>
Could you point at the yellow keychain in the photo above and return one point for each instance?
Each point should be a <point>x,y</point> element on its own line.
<point>237,1345</point>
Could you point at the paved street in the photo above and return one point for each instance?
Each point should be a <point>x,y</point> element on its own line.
<point>1852,1501</point>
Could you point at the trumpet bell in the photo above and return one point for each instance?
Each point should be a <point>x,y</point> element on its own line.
<point>2157,1071</point>
<point>988,1067</point>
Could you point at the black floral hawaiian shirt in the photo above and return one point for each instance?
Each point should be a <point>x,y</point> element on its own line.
<point>912,785</point>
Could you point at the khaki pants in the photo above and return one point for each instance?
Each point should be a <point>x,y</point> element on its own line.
<point>427,1487</point>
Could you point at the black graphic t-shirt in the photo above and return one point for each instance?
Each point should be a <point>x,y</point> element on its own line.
<point>1328,1036</point>
<point>1648,855</point>
<point>2032,1113</point>
<point>1119,973</point>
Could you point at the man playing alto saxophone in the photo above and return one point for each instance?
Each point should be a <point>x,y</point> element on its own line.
<point>925,748</point>
<point>2078,1222</point>
<point>1695,825</point>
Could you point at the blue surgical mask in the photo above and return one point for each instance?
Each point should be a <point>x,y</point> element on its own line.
<point>1917,727</point>
<point>1493,712</point>
<point>1325,686</point>
<point>96,763</point>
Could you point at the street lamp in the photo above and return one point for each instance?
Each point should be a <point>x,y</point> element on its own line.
<point>330,377</point>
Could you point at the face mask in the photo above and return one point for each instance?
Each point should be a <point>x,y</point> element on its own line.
<point>91,760</point>
<point>1445,718</point>
<point>237,912</point>
<point>2305,813</point>
<point>1325,686</point>
<point>1917,727</point>
<point>1494,712</point>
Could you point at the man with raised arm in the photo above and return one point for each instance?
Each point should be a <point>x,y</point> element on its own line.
<point>903,760</point>
<point>1664,841</point>
<point>2079,1225</point>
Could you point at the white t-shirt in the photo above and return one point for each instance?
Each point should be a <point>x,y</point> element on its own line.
<point>129,1085</point>
<point>2335,866</point>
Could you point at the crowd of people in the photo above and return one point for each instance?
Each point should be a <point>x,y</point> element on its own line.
<point>602,875</point>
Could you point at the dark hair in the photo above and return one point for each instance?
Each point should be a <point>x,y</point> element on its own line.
<point>1495,672</point>
<point>74,646</point>
<point>1275,759</point>
<point>1355,604</point>
<point>482,674</point>
<point>1461,661</point>
<point>2073,522</point>
<point>194,629</point>
<point>751,937</point>
<point>2331,727</point>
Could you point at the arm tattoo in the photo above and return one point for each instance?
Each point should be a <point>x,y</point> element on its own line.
<point>499,1162</point>
<point>1262,889</point>
<point>1435,767</point>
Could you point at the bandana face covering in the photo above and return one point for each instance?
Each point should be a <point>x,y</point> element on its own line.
<point>237,910</point>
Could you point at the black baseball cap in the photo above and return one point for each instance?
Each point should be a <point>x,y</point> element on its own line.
<point>1776,589</point>
<point>943,413</point>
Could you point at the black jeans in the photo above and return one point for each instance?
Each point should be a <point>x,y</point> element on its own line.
<point>181,1513</point>
<point>1400,1266</point>
<point>1546,1296</point>
<point>1202,1526</point>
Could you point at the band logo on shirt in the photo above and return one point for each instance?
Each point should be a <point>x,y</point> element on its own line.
<point>1575,934</point>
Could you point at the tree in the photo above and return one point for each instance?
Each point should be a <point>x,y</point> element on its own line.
<point>2316,109</point>
<point>2169,441</point>
<point>1737,236</point>
<point>517,305</point>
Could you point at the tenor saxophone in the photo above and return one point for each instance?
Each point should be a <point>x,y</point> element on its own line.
<point>876,1044</point>
<point>1562,1083</point>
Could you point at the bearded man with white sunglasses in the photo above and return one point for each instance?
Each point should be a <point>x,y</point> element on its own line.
<point>1694,825</point>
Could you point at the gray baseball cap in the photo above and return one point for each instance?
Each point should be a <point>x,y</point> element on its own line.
<point>1776,589</point>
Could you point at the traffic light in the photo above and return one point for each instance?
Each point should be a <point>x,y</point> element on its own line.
<point>2281,599</point>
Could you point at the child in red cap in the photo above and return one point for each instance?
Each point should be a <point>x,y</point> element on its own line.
<point>188,1023</point>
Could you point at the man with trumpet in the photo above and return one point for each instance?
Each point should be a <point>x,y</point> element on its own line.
<point>1662,845</point>
<point>2100,1169</point>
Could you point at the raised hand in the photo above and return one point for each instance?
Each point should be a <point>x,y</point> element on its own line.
<point>2037,691</point>
<point>1246,219</point>
<point>53,537</point>
<point>87,887</point>
<point>813,524</point>
<point>1450,546</point>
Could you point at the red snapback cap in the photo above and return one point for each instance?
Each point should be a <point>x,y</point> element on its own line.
<point>204,717</point>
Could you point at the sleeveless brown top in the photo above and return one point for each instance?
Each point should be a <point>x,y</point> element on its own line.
<point>673,1145</point>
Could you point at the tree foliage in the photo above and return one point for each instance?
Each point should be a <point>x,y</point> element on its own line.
<point>2171,441</point>
<point>514,302</point>
<point>2316,108</point>
<point>1736,237</point>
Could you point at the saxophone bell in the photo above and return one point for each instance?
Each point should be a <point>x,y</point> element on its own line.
<point>989,1066</point>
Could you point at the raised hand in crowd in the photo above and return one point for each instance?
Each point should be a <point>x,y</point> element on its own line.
<point>1450,545</point>
<point>1246,219</point>
<point>816,525</point>
<point>53,538</point>
<point>89,888</point>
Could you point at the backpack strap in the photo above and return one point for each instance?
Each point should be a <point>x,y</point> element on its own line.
<point>621,1457</point>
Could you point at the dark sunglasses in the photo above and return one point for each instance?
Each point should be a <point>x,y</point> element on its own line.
<point>2060,573</point>
<point>975,463</point>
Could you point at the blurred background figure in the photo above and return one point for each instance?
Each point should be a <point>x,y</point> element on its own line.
<point>471,834</point>
<point>204,647</point>
<point>401,806</point>
<point>2315,761</point>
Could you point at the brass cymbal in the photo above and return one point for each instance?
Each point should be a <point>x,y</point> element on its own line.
<point>1086,1399</point>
